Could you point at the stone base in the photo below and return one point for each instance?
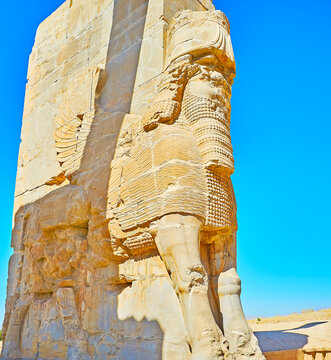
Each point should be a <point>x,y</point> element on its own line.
<point>298,355</point>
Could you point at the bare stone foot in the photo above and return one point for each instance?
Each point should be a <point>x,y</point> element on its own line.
<point>249,350</point>
<point>243,343</point>
<point>211,346</point>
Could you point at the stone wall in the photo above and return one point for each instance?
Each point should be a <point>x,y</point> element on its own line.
<point>70,50</point>
<point>72,46</point>
<point>93,62</point>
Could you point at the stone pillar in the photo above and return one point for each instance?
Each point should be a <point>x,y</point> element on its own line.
<point>105,83</point>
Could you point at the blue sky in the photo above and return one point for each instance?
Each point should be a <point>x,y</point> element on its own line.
<point>281,127</point>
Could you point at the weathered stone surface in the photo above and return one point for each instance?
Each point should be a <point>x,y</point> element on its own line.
<point>125,218</point>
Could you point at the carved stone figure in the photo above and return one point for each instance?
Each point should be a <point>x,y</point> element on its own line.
<point>125,217</point>
<point>54,253</point>
<point>170,183</point>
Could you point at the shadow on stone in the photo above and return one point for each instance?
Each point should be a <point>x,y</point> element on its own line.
<point>40,330</point>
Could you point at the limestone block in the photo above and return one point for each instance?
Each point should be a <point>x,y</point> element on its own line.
<point>155,13</point>
<point>59,18</point>
<point>100,29</point>
<point>142,96</point>
<point>129,15</point>
<point>309,357</point>
<point>151,54</point>
<point>79,15</point>
<point>285,355</point>
<point>319,356</point>
<point>84,12</point>
<point>80,34</point>
<point>72,209</point>
<point>37,151</point>
<point>73,46</point>
<point>121,69</point>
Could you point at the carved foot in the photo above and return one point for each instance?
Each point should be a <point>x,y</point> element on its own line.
<point>250,350</point>
<point>211,345</point>
<point>243,343</point>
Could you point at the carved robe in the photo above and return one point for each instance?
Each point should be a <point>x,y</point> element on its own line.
<point>177,157</point>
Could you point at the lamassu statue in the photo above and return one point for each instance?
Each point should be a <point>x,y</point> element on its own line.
<point>170,185</point>
<point>131,256</point>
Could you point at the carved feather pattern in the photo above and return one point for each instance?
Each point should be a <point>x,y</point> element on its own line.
<point>73,124</point>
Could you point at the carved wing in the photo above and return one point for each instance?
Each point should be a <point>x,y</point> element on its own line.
<point>73,123</point>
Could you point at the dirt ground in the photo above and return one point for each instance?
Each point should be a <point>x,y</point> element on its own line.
<point>309,331</point>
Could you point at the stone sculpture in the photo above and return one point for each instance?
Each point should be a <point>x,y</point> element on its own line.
<point>170,181</point>
<point>133,254</point>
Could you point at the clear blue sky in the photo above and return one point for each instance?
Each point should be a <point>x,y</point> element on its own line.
<point>281,127</point>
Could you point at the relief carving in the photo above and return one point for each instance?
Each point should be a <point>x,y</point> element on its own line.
<point>53,247</point>
<point>74,120</point>
<point>170,185</point>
